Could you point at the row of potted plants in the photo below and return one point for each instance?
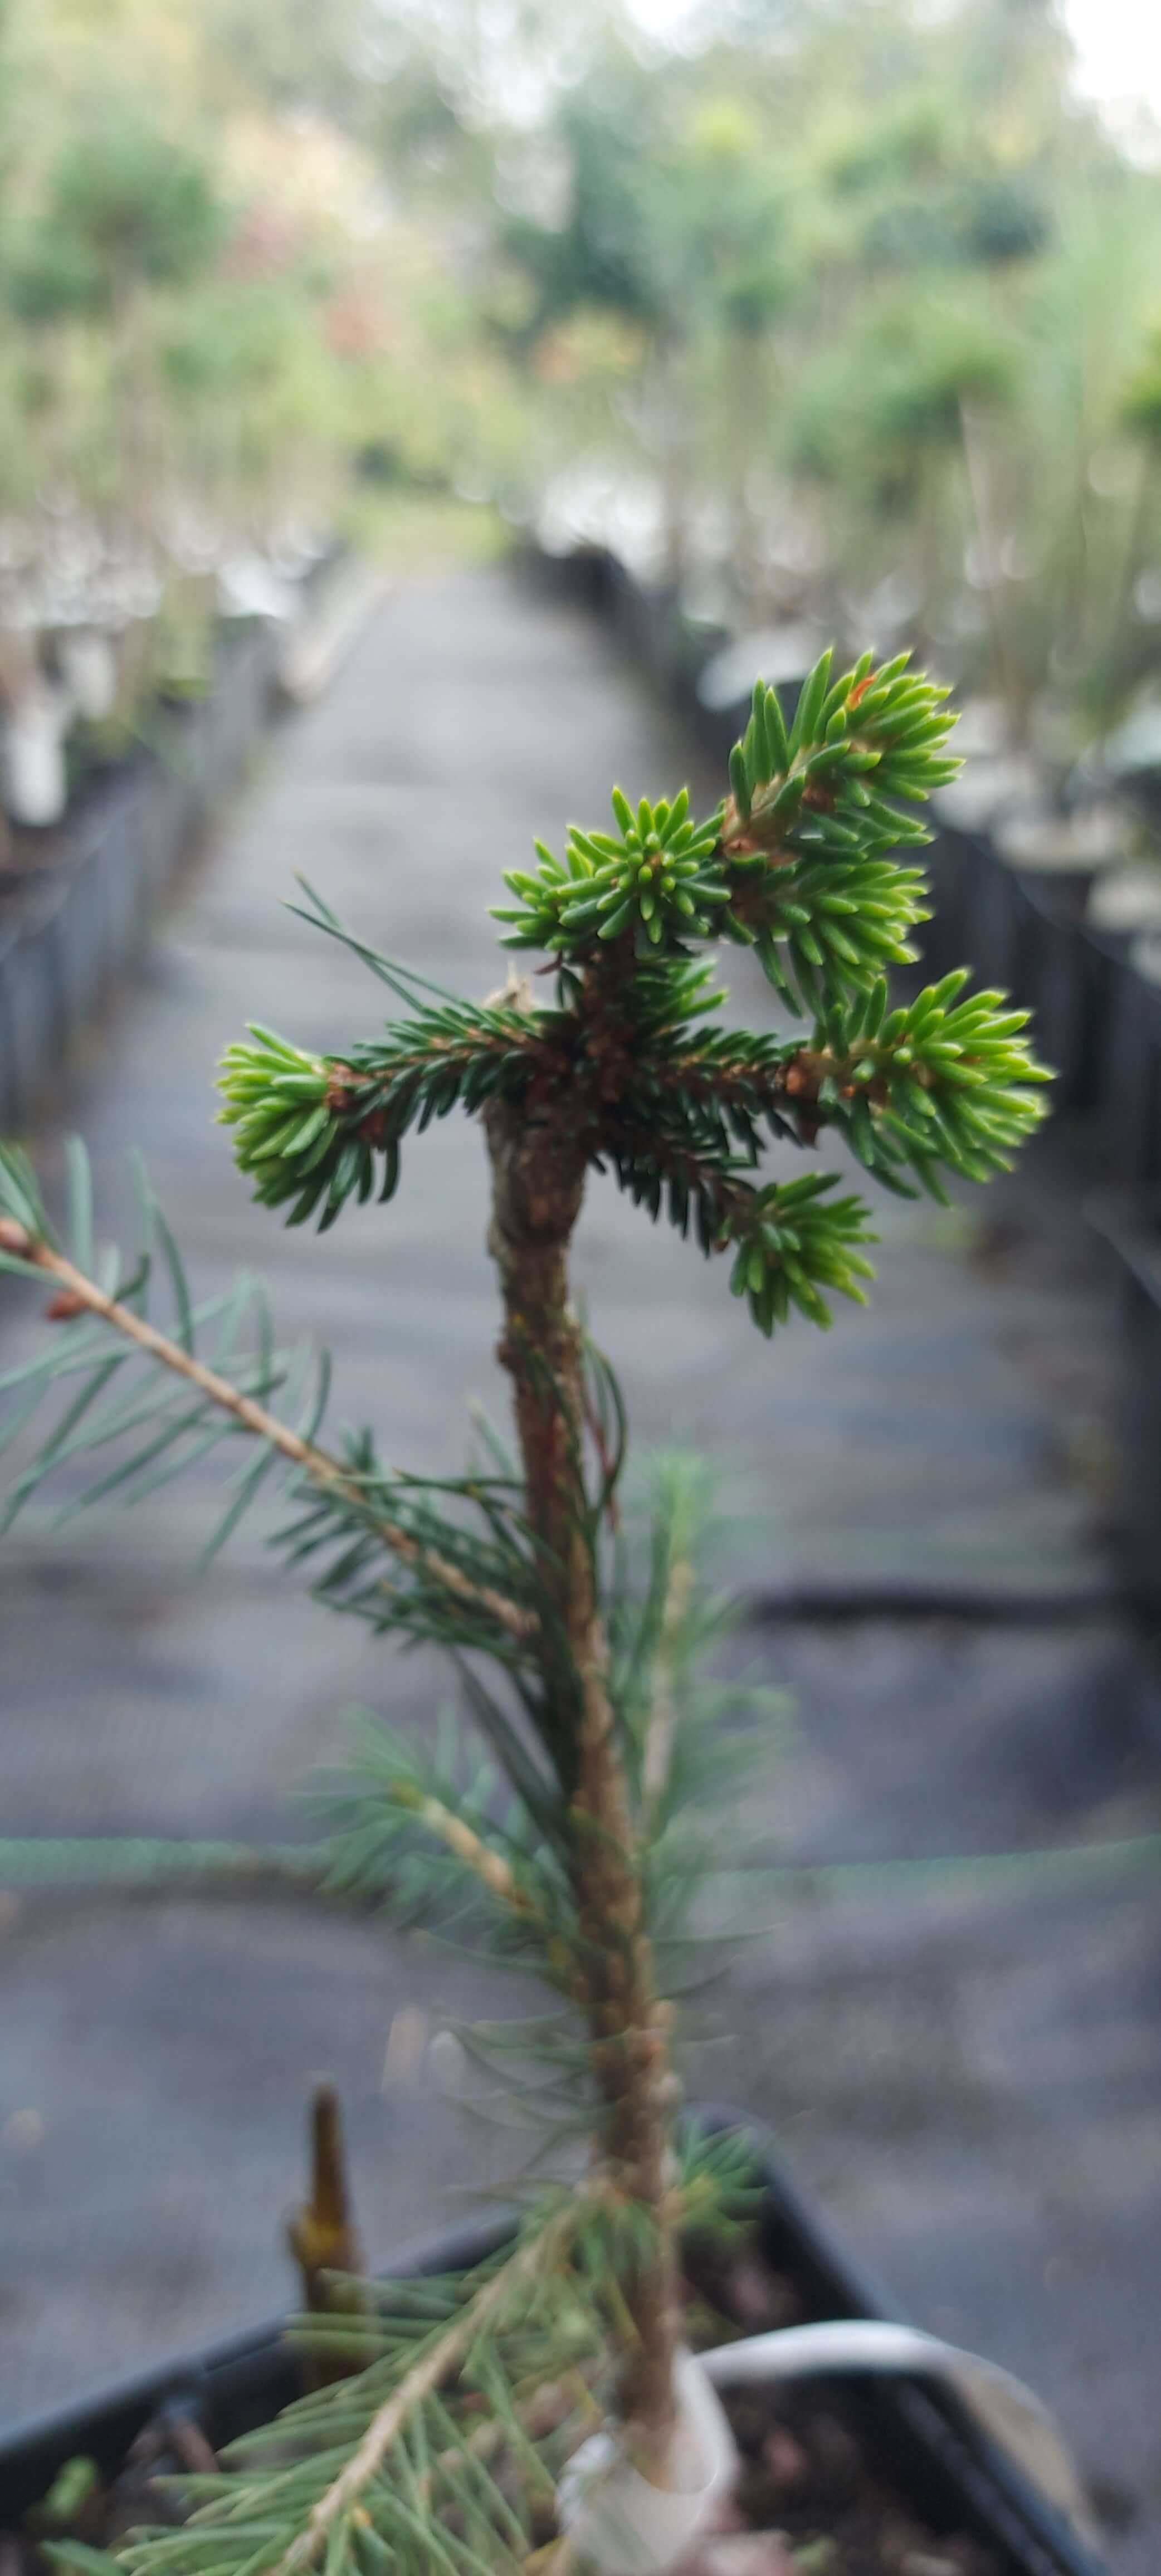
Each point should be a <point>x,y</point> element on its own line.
<point>76,906</point>
<point>1048,878</point>
<point>126,793</point>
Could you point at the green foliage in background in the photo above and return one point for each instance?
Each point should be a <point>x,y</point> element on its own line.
<point>124,203</point>
<point>867,297</point>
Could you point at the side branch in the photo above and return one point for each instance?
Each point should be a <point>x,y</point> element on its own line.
<point>784,1082</point>
<point>497,1874</point>
<point>80,1294</point>
<point>649,1161</point>
<point>437,2364</point>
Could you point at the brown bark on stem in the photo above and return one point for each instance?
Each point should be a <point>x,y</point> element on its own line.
<point>538,1184</point>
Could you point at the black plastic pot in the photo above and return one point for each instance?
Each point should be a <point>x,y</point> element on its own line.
<point>1130,765</point>
<point>694,642</point>
<point>1058,857</point>
<point>582,577</point>
<point>1022,932</point>
<point>31,1001</point>
<point>1049,978</point>
<point>922,2438</point>
<point>9,1070</point>
<point>1127,1063</point>
<point>643,616</point>
<point>948,863</point>
<point>1097,1021</point>
<point>79,922</point>
<point>1132,1230</point>
<point>977,908</point>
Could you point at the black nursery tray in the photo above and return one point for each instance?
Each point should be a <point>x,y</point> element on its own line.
<point>919,2437</point>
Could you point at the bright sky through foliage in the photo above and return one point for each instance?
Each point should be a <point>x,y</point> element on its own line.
<point>1118,46</point>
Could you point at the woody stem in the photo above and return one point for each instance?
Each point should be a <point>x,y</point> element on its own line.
<point>537,1191</point>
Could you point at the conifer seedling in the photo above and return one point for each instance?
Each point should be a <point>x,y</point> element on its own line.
<point>579,1856</point>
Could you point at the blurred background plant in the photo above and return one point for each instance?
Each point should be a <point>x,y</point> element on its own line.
<point>844,312</point>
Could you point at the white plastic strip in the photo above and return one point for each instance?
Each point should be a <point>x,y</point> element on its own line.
<point>1003,2408</point>
<point>619,2523</point>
